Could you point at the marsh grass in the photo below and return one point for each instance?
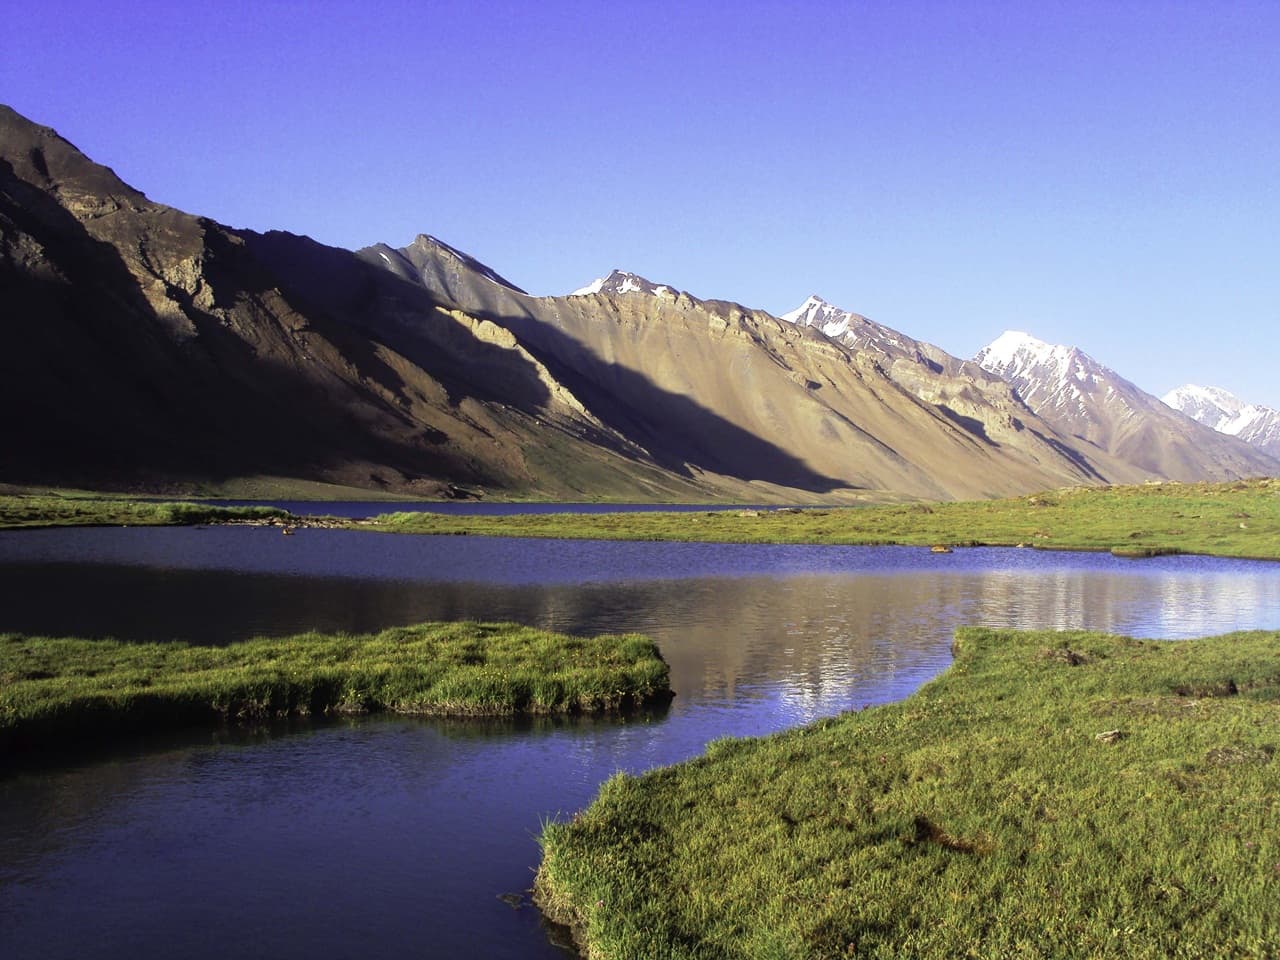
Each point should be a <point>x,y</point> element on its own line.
<point>62,511</point>
<point>62,690</point>
<point>1235,519</point>
<point>1051,795</point>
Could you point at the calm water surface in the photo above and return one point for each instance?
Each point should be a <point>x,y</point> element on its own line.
<point>397,836</point>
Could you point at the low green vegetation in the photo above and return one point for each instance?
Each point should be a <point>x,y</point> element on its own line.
<point>1235,519</point>
<point>64,690</point>
<point>53,510</point>
<point>1052,795</point>
<point>256,487</point>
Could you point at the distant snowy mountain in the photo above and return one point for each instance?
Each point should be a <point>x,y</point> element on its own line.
<point>1055,378</point>
<point>620,282</point>
<point>851,329</point>
<point>1087,400</point>
<point>980,402</point>
<point>1227,413</point>
<point>904,357</point>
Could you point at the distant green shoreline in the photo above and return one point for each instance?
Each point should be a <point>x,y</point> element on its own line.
<point>1053,794</point>
<point>1240,519</point>
<point>61,691</point>
<point>26,512</point>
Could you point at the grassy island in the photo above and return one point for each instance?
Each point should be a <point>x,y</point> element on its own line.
<point>1228,519</point>
<point>1052,795</point>
<point>55,691</point>
<point>52,510</point>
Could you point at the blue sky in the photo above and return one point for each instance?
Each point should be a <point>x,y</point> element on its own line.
<point>1097,174</point>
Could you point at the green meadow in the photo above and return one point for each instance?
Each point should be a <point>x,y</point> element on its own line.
<point>1051,795</point>
<point>64,690</point>
<point>1232,519</point>
<point>58,510</point>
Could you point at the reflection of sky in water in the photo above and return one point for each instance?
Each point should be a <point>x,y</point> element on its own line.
<point>1164,604</point>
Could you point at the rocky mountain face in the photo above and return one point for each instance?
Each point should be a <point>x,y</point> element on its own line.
<point>1227,413</point>
<point>146,348</point>
<point>714,387</point>
<point>1092,403</point>
<point>962,390</point>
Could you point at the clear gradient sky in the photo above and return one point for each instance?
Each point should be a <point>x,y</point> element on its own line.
<point>1101,174</point>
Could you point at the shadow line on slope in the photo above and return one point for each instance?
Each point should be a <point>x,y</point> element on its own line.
<point>676,430</point>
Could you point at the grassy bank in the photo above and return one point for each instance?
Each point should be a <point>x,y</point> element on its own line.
<point>1052,795</point>
<point>1237,519</point>
<point>259,487</point>
<point>62,690</point>
<point>52,510</point>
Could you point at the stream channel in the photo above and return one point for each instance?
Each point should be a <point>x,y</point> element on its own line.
<point>387,836</point>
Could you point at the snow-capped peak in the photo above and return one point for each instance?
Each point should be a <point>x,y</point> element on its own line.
<point>1048,376</point>
<point>621,282</point>
<point>1013,353</point>
<point>852,329</point>
<point>1225,412</point>
<point>812,307</point>
<point>1193,395</point>
<point>1006,349</point>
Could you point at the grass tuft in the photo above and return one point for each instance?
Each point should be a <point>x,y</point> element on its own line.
<point>64,690</point>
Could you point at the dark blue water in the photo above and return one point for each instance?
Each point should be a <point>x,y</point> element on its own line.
<point>397,836</point>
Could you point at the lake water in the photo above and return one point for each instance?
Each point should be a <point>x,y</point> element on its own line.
<point>397,836</point>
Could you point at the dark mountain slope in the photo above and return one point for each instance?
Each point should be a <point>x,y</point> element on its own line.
<point>146,347</point>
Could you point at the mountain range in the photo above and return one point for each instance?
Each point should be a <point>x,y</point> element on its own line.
<point>145,348</point>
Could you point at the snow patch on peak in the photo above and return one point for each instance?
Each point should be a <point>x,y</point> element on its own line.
<point>815,304</point>
<point>620,282</point>
<point>1190,393</point>
<point>1005,349</point>
<point>595,286</point>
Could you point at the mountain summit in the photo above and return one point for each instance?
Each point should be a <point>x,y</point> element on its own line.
<point>1048,376</point>
<point>1227,413</point>
<point>1091,402</point>
<point>620,282</point>
<point>852,329</point>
